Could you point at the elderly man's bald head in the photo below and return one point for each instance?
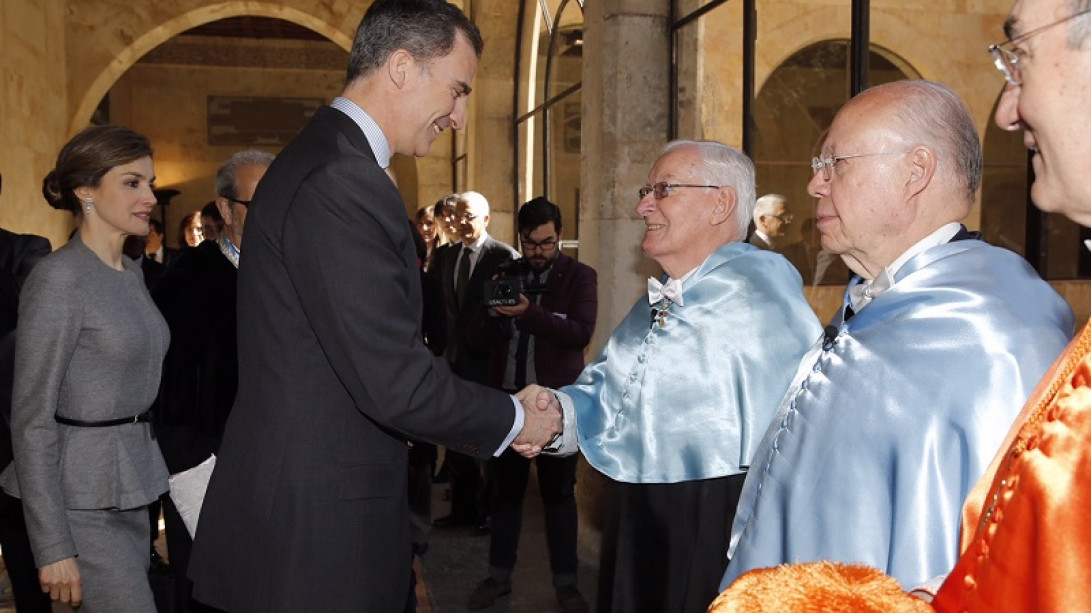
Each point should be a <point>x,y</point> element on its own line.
<point>931,114</point>
<point>900,161</point>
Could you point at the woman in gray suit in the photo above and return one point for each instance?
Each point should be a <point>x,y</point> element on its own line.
<point>89,351</point>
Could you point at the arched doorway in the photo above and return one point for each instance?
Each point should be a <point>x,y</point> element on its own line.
<point>242,82</point>
<point>792,113</point>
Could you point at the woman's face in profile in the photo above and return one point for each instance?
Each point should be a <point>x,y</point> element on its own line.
<point>123,199</point>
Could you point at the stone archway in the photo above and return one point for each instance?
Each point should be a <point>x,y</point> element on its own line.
<point>85,94</point>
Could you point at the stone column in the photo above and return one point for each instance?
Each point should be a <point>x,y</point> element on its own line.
<point>491,131</point>
<point>626,76</point>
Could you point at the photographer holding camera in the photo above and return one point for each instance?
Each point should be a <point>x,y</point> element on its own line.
<point>540,316</point>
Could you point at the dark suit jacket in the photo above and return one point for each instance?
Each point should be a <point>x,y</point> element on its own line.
<point>470,364</point>
<point>759,242</point>
<point>562,323</point>
<point>307,508</point>
<point>200,371</point>
<point>152,270</point>
<point>19,253</point>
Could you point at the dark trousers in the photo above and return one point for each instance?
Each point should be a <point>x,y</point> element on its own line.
<point>19,559</point>
<point>557,484</point>
<point>466,487</point>
<point>664,545</point>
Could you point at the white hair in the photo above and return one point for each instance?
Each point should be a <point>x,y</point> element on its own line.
<point>767,204</point>
<point>729,167</point>
<point>477,202</point>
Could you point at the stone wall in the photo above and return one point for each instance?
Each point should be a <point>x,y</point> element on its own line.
<point>32,113</point>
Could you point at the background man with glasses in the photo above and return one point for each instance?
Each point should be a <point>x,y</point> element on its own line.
<point>895,413</point>
<point>771,221</point>
<point>539,340</point>
<point>200,371</point>
<point>463,273</point>
<point>671,410</point>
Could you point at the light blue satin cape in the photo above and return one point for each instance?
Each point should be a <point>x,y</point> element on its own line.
<point>882,435</point>
<point>691,399</point>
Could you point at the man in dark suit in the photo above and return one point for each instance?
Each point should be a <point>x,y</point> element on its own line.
<point>200,371</point>
<point>540,339</point>
<point>464,272</point>
<point>156,249</point>
<point>771,219</point>
<point>307,508</point>
<point>19,253</point>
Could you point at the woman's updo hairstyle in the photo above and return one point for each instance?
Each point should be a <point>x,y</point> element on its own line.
<point>85,159</point>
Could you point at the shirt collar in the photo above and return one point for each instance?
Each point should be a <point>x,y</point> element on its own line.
<point>372,132</point>
<point>941,235</point>
<point>476,245</point>
<point>862,293</point>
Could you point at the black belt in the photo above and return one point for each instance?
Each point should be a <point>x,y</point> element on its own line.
<point>135,419</point>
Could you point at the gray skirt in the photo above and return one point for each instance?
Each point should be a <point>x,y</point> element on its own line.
<point>113,559</point>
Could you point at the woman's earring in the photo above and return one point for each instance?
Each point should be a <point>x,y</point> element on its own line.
<point>87,205</point>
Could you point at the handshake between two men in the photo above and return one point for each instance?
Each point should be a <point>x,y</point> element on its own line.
<point>543,422</point>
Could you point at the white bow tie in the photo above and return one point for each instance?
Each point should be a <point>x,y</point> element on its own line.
<point>862,293</point>
<point>671,290</point>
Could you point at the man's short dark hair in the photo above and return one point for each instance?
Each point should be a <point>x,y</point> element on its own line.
<point>537,212</point>
<point>424,28</point>
<point>156,225</point>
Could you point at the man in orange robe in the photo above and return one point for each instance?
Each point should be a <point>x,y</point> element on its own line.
<point>1026,530</point>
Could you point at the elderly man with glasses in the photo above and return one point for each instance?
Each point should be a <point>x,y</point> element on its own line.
<point>671,410</point>
<point>893,416</point>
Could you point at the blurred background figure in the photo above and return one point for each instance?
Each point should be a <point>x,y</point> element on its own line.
<point>816,265</point>
<point>190,231</point>
<point>431,235</point>
<point>200,371</point>
<point>155,247</point>
<point>135,248</point>
<point>212,223</point>
<point>771,221</point>
<point>19,253</point>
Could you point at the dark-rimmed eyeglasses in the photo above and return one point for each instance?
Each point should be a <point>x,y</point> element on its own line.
<point>245,203</point>
<point>1006,55</point>
<point>663,189</point>
<point>825,164</point>
<point>546,246</point>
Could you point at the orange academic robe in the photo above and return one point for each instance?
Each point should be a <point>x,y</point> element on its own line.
<point>1027,524</point>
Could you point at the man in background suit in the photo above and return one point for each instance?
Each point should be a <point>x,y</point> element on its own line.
<point>156,248</point>
<point>771,218</point>
<point>540,339</point>
<point>19,253</point>
<point>307,508</point>
<point>200,371</point>
<point>464,272</point>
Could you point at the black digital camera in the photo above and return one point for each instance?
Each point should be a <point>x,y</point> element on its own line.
<point>507,284</point>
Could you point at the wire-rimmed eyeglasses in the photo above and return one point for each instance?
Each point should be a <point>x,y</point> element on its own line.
<point>1006,55</point>
<point>663,189</point>
<point>825,164</point>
